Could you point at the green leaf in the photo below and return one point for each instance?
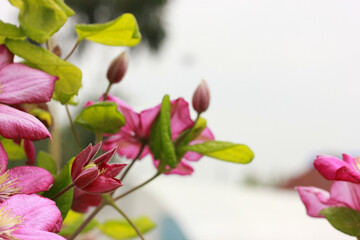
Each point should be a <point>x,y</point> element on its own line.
<point>69,75</point>
<point>40,19</point>
<point>68,11</point>
<point>101,117</point>
<point>73,221</point>
<point>61,181</point>
<point>160,137</point>
<point>346,220</point>
<point>190,134</point>
<point>13,150</point>
<point>121,229</point>
<point>10,31</point>
<point>123,31</point>
<point>46,161</point>
<point>227,151</point>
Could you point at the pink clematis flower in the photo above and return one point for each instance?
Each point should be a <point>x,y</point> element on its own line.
<point>333,168</point>
<point>137,132</point>
<point>342,194</point>
<point>22,84</point>
<point>29,217</point>
<point>23,179</point>
<point>95,176</point>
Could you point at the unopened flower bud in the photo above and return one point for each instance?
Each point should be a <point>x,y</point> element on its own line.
<point>117,68</point>
<point>201,98</point>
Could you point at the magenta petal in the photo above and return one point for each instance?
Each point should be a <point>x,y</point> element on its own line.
<point>80,161</point>
<point>29,151</point>
<point>147,118</point>
<point>333,168</point>
<point>3,159</point>
<point>180,117</point>
<point>32,179</point>
<point>33,234</point>
<point>314,199</point>
<point>6,57</point>
<point>112,170</point>
<point>86,177</point>
<point>82,201</point>
<point>38,213</point>
<point>346,193</point>
<point>104,158</point>
<point>17,124</point>
<point>22,84</point>
<point>103,184</point>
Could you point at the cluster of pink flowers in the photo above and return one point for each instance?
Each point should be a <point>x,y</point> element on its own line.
<point>345,190</point>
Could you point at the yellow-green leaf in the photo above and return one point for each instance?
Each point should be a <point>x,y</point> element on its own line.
<point>227,151</point>
<point>121,229</point>
<point>8,30</point>
<point>123,31</point>
<point>13,150</point>
<point>101,117</point>
<point>69,75</point>
<point>73,221</point>
<point>40,19</point>
<point>46,161</point>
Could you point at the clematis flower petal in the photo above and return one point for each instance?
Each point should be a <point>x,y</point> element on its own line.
<point>80,161</point>
<point>31,179</point>
<point>112,170</point>
<point>333,168</point>
<point>6,57</point>
<point>17,124</point>
<point>3,159</point>
<point>104,158</point>
<point>82,201</point>
<point>346,193</point>
<point>33,234</point>
<point>315,200</point>
<point>180,117</point>
<point>86,177</point>
<point>38,213</point>
<point>103,184</point>
<point>22,84</point>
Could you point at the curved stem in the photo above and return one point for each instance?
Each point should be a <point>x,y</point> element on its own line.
<point>73,127</point>
<point>127,219</point>
<point>87,221</point>
<point>133,161</point>
<point>72,50</point>
<point>64,190</point>
<point>107,91</point>
<point>137,187</point>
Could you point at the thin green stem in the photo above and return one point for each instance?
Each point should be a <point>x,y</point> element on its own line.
<point>107,91</point>
<point>72,50</point>
<point>133,161</point>
<point>87,220</point>
<point>137,187</point>
<point>64,190</point>
<point>73,127</point>
<point>176,143</point>
<point>127,219</point>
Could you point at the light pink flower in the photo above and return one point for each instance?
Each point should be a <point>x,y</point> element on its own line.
<point>342,194</point>
<point>29,217</point>
<point>137,132</point>
<point>24,179</point>
<point>22,84</point>
<point>333,168</point>
<point>95,176</point>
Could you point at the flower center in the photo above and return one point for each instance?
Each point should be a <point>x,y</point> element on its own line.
<point>8,186</point>
<point>8,223</point>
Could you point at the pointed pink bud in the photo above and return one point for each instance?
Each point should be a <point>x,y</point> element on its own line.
<point>117,68</point>
<point>201,98</point>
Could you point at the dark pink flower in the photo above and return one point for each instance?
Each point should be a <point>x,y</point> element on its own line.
<point>342,194</point>
<point>95,176</point>
<point>24,179</point>
<point>29,217</point>
<point>201,98</point>
<point>333,168</point>
<point>118,68</point>
<point>82,201</point>
<point>22,84</point>
<point>137,132</point>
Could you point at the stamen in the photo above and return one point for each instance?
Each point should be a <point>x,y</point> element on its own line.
<point>9,223</point>
<point>8,186</point>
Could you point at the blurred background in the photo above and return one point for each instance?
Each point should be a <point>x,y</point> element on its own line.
<point>284,79</point>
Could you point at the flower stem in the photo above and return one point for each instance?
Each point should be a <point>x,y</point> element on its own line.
<point>73,127</point>
<point>87,220</point>
<point>137,187</point>
<point>64,190</point>
<point>107,91</point>
<point>72,50</point>
<point>111,202</point>
<point>133,161</point>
